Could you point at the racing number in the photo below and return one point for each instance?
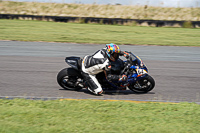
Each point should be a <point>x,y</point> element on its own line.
<point>141,71</point>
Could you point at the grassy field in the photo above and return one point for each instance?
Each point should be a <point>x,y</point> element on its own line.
<point>105,11</point>
<point>63,116</point>
<point>97,34</point>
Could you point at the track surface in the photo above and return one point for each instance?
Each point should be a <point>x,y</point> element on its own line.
<point>29,69</point>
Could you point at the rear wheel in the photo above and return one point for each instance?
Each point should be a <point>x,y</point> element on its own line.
<point>143,86</point>
<point>69,79</point>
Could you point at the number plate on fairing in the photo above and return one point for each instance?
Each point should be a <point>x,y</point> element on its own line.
<point>141,71</point>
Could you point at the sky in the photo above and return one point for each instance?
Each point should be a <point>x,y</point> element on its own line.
<point>163,3</point>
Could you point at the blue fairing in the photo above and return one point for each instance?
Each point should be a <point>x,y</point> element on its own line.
<point>134,78</point>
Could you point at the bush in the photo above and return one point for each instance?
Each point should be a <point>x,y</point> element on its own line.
<point>187,24</point>
<point>81,20</point>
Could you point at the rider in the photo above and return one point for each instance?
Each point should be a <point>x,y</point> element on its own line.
<point>101,61</point>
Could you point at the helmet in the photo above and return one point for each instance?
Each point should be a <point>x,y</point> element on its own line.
<point>112,51</point>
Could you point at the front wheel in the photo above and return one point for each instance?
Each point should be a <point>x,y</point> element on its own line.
<point>144,85</point>
<point>69,79</point>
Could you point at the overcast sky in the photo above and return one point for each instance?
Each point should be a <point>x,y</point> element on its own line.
<point>163,3</point>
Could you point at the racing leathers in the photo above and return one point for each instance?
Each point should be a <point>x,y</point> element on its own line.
<point>94,64</point>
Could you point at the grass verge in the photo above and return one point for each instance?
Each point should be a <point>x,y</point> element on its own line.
<point>22,30</point>
<point>103,11</point>
<point>27,116</point>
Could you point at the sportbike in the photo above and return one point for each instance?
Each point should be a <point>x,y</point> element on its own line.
<point>139,81</point>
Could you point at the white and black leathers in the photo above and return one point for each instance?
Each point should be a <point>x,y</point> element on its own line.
<point>95,63</point>
<point>92,65</point>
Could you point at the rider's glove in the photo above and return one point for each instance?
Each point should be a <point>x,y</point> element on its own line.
<point>123,78</point>
<point>126,54</point>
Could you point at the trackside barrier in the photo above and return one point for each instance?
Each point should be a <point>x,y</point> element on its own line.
<point>156,23</point>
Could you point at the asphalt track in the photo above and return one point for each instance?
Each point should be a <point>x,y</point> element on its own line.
<point>29,70</point>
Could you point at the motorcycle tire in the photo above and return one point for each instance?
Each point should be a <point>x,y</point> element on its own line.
<point>144,85</point>
<point>67,79</point>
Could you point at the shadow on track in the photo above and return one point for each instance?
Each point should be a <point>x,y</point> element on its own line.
<point>111,92</point>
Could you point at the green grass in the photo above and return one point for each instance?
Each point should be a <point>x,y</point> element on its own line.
<point>98,34</point>
<point>56,116</point>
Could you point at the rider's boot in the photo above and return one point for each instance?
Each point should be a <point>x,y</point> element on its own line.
<point>97,91</point>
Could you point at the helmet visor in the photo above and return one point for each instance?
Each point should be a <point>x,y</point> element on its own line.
<point>115,56</point>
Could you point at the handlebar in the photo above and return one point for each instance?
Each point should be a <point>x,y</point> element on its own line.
<point>127,66</point>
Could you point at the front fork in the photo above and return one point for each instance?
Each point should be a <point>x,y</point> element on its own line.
<point>138,85</point>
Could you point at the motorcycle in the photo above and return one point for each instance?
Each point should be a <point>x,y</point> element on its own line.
<point>139,81</point>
